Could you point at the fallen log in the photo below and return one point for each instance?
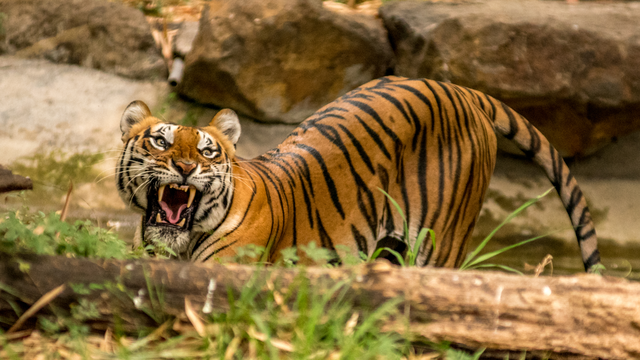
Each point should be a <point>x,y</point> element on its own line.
<point>12,182</point>
<point>585,316</point>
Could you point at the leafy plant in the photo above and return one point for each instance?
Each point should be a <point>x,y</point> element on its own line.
<point>49,235</point>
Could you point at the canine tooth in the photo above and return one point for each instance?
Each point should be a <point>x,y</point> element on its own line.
<point>159,219</point>
<point>192,195</point>
<point>160,193</point>
<point>181,223</point>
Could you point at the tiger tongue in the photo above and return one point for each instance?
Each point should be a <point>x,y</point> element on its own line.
<point>171,216</point>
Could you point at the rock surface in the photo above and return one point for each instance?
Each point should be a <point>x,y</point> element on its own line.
<point>183,42</point>
<point>572,69</point>
<point>280,60</point>
<point>48,107</point>
<point>93,33</point>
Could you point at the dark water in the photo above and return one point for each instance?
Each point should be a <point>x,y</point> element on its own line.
<point>619,260</point>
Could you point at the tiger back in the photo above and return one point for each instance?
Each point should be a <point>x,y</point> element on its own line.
<point>431,146</point>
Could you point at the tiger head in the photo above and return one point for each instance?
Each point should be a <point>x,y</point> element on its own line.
<point>180,177</point>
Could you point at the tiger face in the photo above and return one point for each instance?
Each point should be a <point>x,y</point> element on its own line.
<point>180,177</point>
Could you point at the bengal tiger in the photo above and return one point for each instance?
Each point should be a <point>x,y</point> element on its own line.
<point>430,145</point>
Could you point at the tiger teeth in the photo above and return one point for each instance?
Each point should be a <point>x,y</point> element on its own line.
<point>185,188</point>
<point>161,192</point>
<point>181,223</point>
<point>192,195</point>
<point>179,187</point>
<point>159,219</point>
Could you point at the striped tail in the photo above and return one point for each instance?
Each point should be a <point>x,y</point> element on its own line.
<point>535,146</point>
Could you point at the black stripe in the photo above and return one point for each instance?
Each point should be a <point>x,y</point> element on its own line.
<point>266,172</point>
<point>356,143</point>
<point>592,260</point>
<point>305,194</point>
<point>418,125</point>
<point>576,197</point>
<point>587,235</point>
<point>374,136</point>
<point>534,142</point>
<point>305,171</point>
<point>313,121</point>
<point>363,190</point>
<point>557,174</point>
<point>327,177</point>
<point>436,97</point>
<point>441,184</point>
<point>360,240</point>
<point>375,116</point>
<point>395,103</point>
<point>513,124</point>
<point>422,179</point>
<point>218,250</point>
<point>454,161</point>
<point>325,239</point>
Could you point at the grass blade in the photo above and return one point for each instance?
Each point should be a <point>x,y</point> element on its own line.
<point>487,256</point>
<point>396,254</point>
<point>503,267</point>
<point>484,242</point>
<point>404,219</point>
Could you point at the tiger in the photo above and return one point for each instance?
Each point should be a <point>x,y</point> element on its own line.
<point>430,145</point>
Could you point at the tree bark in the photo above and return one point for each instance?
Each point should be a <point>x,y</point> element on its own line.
<point>584,316</point>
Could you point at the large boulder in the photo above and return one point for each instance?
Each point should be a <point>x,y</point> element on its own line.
<point>572,69</point>
<point>93,33</point>
<point>280,60</point>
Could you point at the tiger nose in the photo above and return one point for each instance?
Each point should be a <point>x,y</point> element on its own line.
<point>185,167</point>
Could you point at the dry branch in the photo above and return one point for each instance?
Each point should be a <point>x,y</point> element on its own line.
<point>584,315</point>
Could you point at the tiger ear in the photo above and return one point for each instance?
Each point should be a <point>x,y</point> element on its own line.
<point>227,121</point>
<point>133,114</point>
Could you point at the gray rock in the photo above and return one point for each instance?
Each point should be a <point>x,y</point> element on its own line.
<point>93,33</point>
<point>572,69</point>
<point>280,60</point>
<point>183,41</point>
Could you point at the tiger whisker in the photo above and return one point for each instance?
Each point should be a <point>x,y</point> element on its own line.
<point>136,190</point>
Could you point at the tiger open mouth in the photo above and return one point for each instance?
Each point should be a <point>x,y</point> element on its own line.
<point>172,205</point>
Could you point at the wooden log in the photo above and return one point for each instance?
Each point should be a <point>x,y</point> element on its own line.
<point>11,182</point>
<point>564,316</point>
